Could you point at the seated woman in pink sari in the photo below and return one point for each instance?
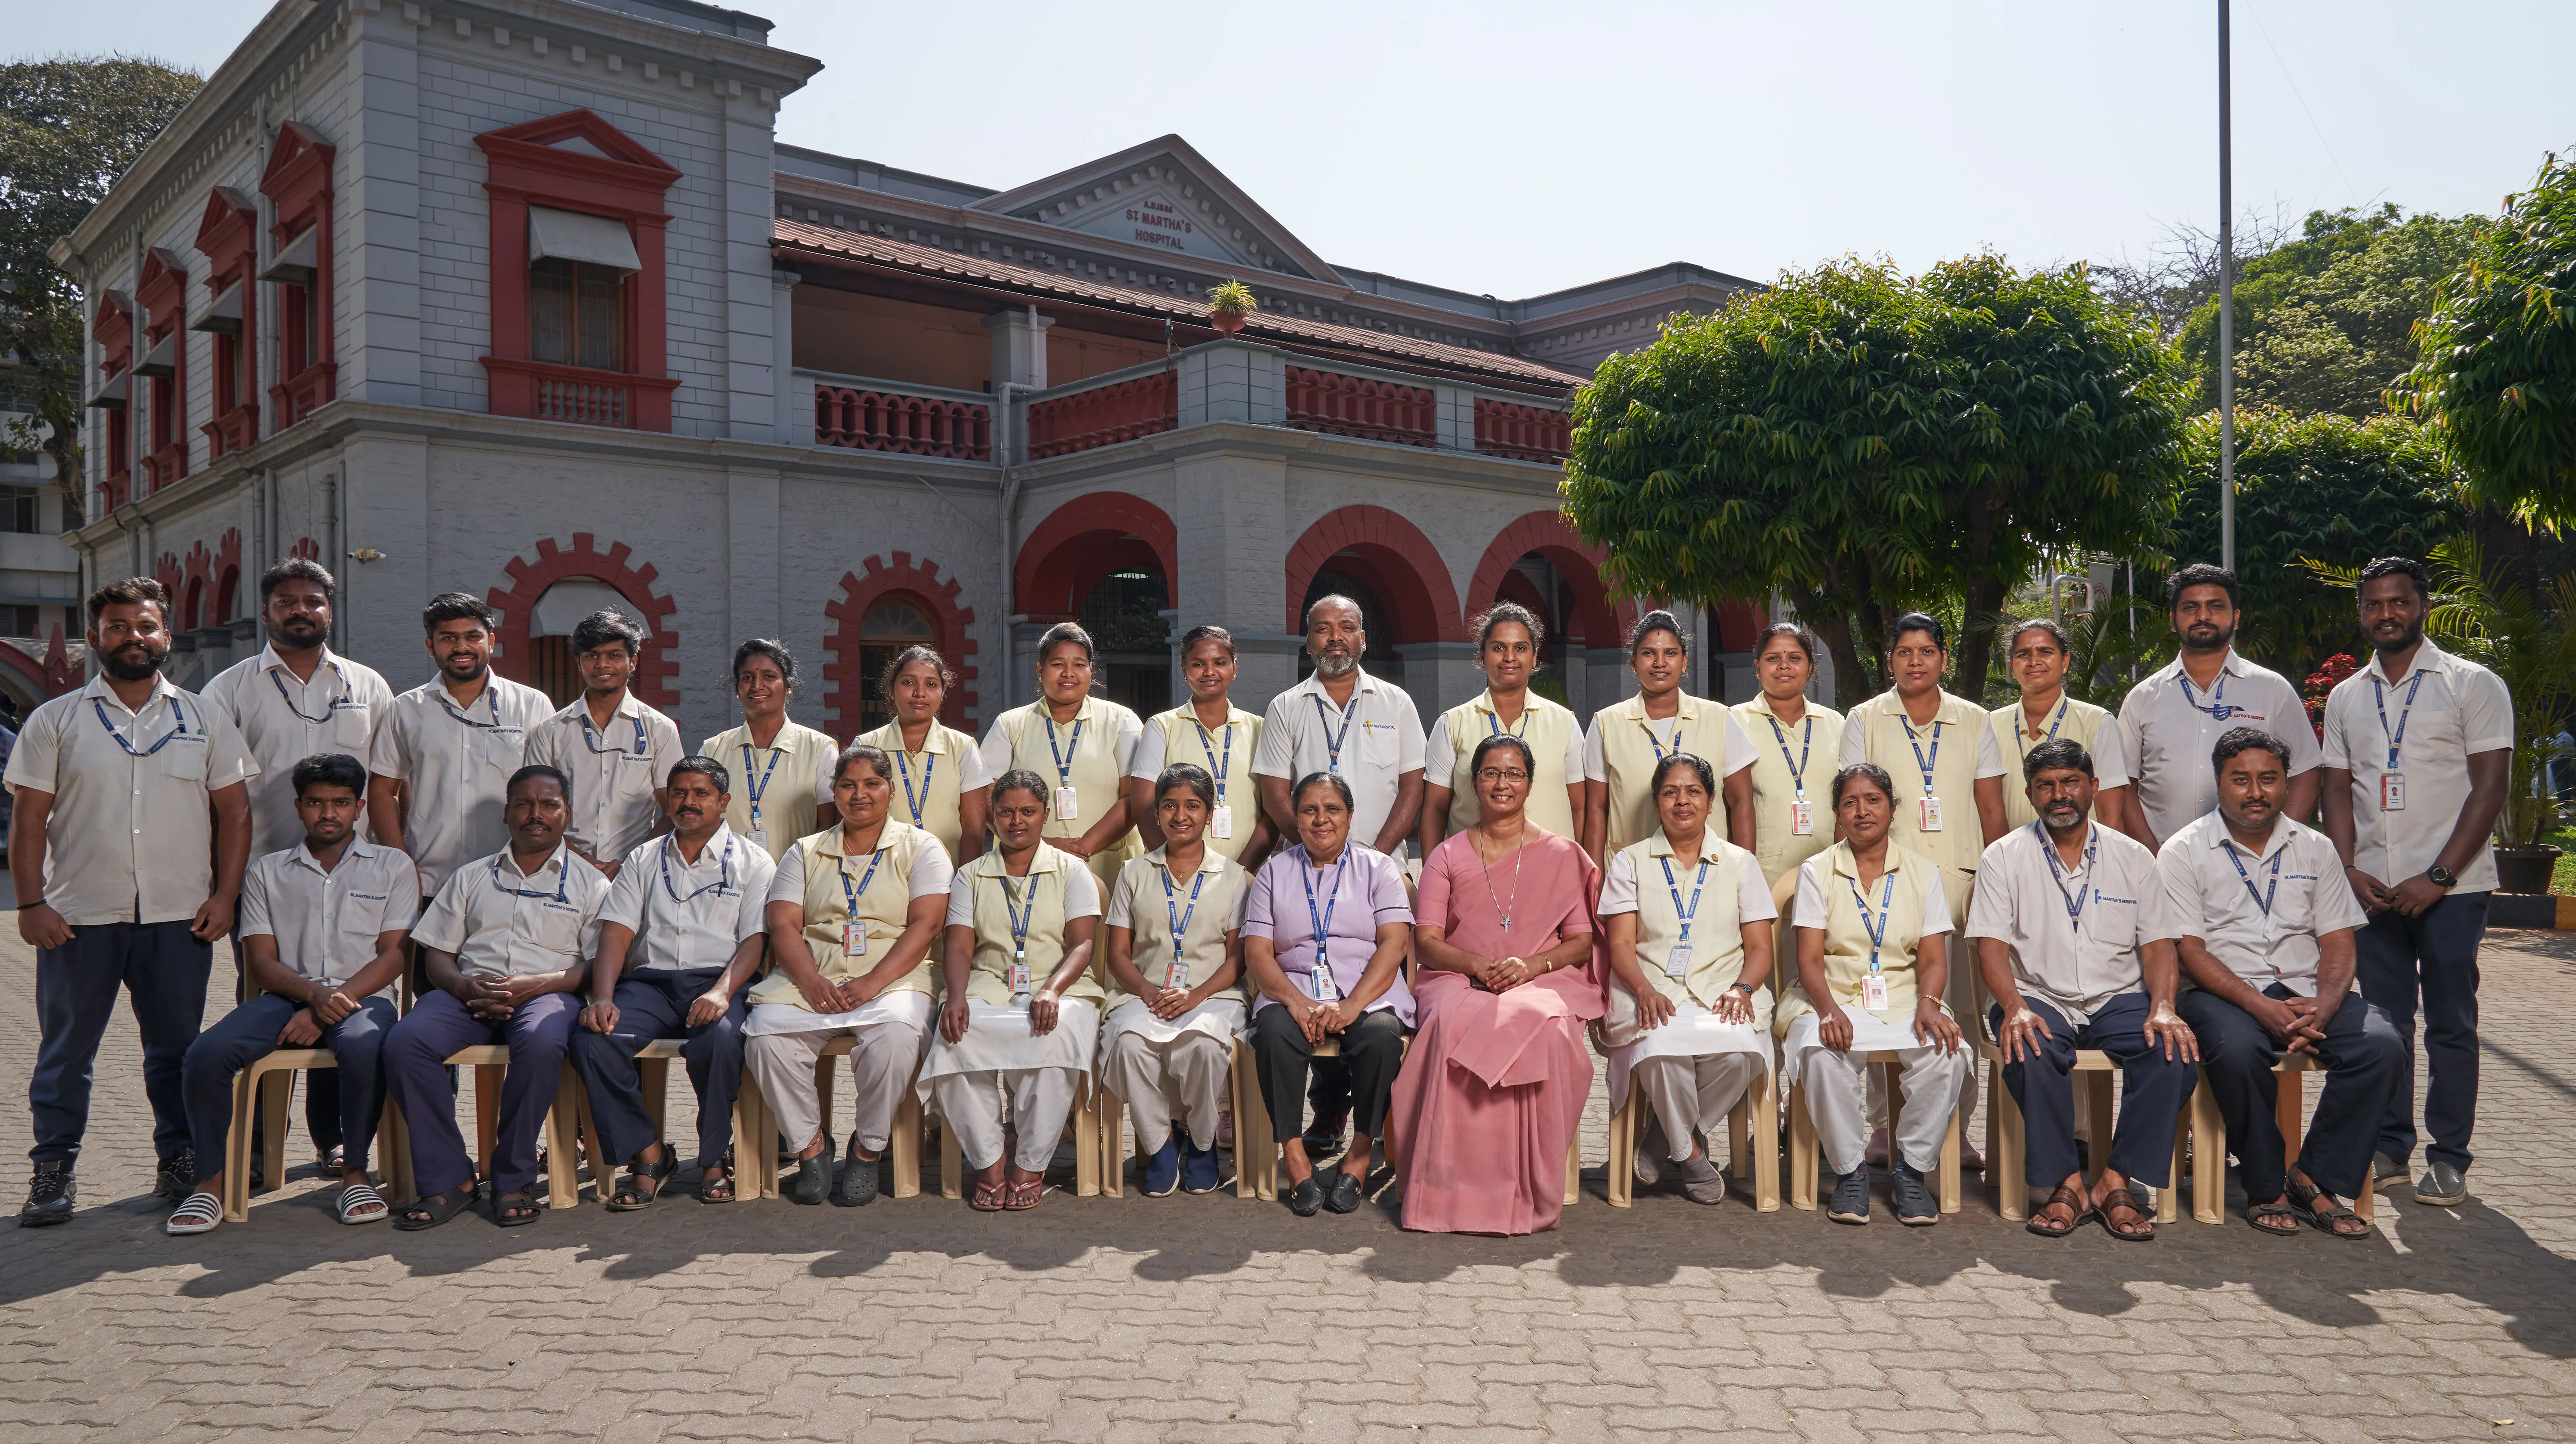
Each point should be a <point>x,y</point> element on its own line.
<point>1508,974</point>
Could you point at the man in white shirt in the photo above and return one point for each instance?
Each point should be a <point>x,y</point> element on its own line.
<point>2267,938</point>
<point>448,747</point>
<point>615,749</point>
<point>323,927</point>
<point>504,946</point>
<point>2170,721</point>
<point>130,834</point>
<point>2418,750</point>
<point>678,940</point>
<point>2074,939</point>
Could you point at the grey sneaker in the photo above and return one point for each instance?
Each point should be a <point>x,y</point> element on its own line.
<point>1701,1182</point>
<point>1915,1205</point>
<point>1850,1201</point>
<point>1650,1154</point>
<point>2386,1174</point>
<point>2441,1184</point>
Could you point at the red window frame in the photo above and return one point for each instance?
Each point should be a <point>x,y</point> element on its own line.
<point>113,330</point>
<point>228,237</point>
<point>162,293</point>
<point>298,183</point>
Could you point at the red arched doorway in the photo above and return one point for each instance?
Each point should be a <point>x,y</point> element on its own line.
<point>1384,562</point>
<point>1109,561</point>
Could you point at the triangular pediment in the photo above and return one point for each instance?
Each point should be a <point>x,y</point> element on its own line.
<point>1163,196</point>
<point>583,133</point>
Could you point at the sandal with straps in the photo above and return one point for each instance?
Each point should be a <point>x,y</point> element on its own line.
<point>1019,1195</point>
<point>987,1197</point>
<point>2077,1211</point>
<point>714,1187</point>
<point>2303,1202</point>
<point>360,1203</point>
<point>434,1210</point>
<point>2123,1198</point>
<point>642,1185</point>
<point>515,1210</point>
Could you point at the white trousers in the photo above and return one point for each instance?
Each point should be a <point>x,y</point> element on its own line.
<point>1835,1088</point>
<point>882,1062</point>
<point>1036,1101</point>
<point>1184,1078</point>
<point>1693,1095</point>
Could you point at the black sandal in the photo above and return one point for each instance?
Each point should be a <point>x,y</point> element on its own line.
<point>515,1210</point>
<point>713,1189</point>
<point>2255,1213</point>
<point>434,1210</point>
<point>2073,1198</point>
<point>2303,1202</point>
<point>2123,1198</point>
<point>642,1185</point>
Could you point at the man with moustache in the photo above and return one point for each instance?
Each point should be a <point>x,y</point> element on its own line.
<point>678,940</point>
<point>2267,938</point>
<point>615,749</point>
<point>2170,721</point>
<point>448,746</point>
<point>132,828</point>
<point>2418,747</point>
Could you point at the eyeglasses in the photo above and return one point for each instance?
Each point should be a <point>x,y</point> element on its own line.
<point>1496,774</point>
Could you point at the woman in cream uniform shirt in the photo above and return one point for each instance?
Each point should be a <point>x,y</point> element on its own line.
<point>784,767</point>
<point>1207,731</point>
<point>1507,641</point>
<point>941,783</point>
<point>2037,655</point>
<point>1689,923</point>
<point>1628,741</point>
<point>1797,746</point>
<point>1080,746</point>
<point>852,915</point>
<point>1167,1048</point>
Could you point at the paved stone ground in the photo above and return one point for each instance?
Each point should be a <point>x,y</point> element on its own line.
<point>1213,1319</point>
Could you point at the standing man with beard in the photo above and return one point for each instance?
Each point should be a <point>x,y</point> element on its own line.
<point>132,831</point>
<point>616,750</point>
<point>443,757</point>
<point>2171,720</point>
<point>2417,747</point>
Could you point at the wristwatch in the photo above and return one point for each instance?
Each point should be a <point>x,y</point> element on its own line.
<point>1745,988</point>
<point>2442,877</point>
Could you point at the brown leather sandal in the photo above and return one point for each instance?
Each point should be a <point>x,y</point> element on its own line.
<point>1023,1195</point>
<point>987,1197</point>
<point>2077,1211</point>
<point>2122,1198</point>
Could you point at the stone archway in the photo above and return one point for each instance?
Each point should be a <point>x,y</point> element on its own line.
<point>658,665</point>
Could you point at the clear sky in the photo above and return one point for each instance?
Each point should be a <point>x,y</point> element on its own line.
<point>1494,145</point>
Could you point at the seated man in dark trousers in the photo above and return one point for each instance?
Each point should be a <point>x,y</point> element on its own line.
<point>2074,938</point>
<point>678,939</point>
<point>2267,938</point>
<point>505,946</point>
<point>322,931</point>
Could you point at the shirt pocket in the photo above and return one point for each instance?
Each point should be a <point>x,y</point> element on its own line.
<point>354,928</point>
<point>501,747</point>
<point>558,932</point>
<point>350,724</point>
<point>183,758</point>
<point>1376,741</point>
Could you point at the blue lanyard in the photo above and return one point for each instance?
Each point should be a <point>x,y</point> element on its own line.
<point>2379,699</point>
<point>724,874</point>
<point>2264,898</point>
<point>347,695</point>
<point>903,767</point>
<point>179,717</point>
<point>2217,709</point>
<point>1180,921</point>
<point>562,879</point>
<point>851,894</point>
<point>1886,905</point>
<point>760,788</point>
<point>1914,740</point>
<point>1494,722</point>
<point>1687,913</point>
<point>1021,921</point>
<point>2075,903</point>
<point>1797,769</point>
<point>1656,742</point>
<point>2021,743</point>
<point>1333,740</point>
<point>1063,760</point>
<point>1323,921</point>
<point>491,694</point>
<point>1216,764</point>
<point>591,737</point>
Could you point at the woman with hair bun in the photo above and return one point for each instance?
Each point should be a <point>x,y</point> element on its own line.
<point>1507,641</point>
<point>942,784</point>
<point>1079,745</point>
<point>1625,747</point>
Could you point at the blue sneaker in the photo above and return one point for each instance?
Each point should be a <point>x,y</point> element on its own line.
<point>1163,1170</point>
<point>1198,1168</point>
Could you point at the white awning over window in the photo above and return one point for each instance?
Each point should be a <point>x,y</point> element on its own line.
<point>572,236</point>
<point>568,601</point>
<point>162,360</point>
<point>225,315</point>
<point>298,261</point>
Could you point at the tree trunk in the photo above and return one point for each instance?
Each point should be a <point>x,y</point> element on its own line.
<point>1985,598</point>
<point>1834,629</point>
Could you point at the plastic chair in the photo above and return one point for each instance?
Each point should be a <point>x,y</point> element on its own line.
<point>653,1069</point>
<point>2208,1135</point>
<point>2007,1141</point>
<point>1805,1149</point>
<point>1084,1125</point>
<point>266,1086</point>
<point>903,1141</point>
<point>1752,1137</point>
<point>489,1062</point>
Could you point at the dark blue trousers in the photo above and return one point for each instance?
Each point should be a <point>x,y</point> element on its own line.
<point>2435,955</point>
<point>249,1033</point>
<point>2364,1059</point>
<point>538,1033</point>
<point>163,970</point>
<point>653,1004</point>
<point>2153,1090</point>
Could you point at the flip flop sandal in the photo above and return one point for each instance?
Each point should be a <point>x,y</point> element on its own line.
<point>2303,1202</point>
<point>1023,1196</point>
<point>2255,1213</point>
<point>714,1189</point>
<point>987,1197</point>
<point>2039,1222</point>
<point>198,1213</point>
<point>515,1210</point>
<point>2122,1198</point>
<point>643,1185</point>
<point>360,1203</point>
<point>434,1210</point>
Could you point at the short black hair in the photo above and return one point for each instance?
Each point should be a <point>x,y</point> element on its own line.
<point>905,658</point>
<point>1918,622</point>
<point>537,771</point>
<point>1018,779</point>
<point>878,762</point>
<point>1483,623</point>
<point>1064,634</point>
<point>1189,775</point>
<point>775,651</point>
<point>1655,621</point>
<point>2407,567</point>
<point>603,627</point>
<point>455,607</point>
<point>704,766</point>
<point>298,569</point>
<point>2054,755</point>
<point>1333,780</point>
<point>1697,764</point>
<point>1205,632</point>
<point>1496,743</point>
<point>330,769</point>
<point>1869,772</point>
<point>2244,739</point>
<point>131,592</point>
<point>2199,574</point>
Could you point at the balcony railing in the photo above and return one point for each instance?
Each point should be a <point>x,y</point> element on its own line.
<point>1362,406</point>
<point>1104,415</point>
<point>1523,433</point>
<point>582,402</point>
<point>893,421</point>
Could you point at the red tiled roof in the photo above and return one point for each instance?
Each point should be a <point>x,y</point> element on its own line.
<point>1039,280</point>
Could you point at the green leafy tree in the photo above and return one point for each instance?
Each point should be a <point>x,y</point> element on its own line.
<point>68,128</point>
<point>2498,367</point>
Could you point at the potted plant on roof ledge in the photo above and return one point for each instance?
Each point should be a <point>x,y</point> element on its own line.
<point>1228,304</point>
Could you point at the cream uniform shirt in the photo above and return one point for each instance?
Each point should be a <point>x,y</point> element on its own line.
<point>984,896</point>
<point>614,770</point>
<point>818,876</point>
<point>1093,764</point>
<point>1791,760</point>
<point>1879,731</point>
<point>1556,757</point>
<point>283,721</point>
<point>2458,709</point>
<point>774,787</point>
<point>2069,721</point>
<point>1730,894</point>
<point>504,923</point>
<point>455,764</point>
<point>1175,737</point>
<point>1623,744</point>
<point>1141,904</point>
<point>1829,900</point>
<point>928,783</point>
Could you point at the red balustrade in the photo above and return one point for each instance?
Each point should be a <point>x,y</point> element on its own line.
<point>891,421</point>
<point>1104,415</point>
<point>1523,433</point>
<point>1362,406</point>
<point>586,402</point>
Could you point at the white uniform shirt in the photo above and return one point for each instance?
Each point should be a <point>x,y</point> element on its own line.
<point>2169,726</point>
<point>2077,964</point>
<point>2260,914</point>
<point>689,915</point>
<point>131,838</point>
<point>2460,709</point>
<point>455,765</point>
<point>1301,729</point>
<point>283,721</point>
<point>326,923</point>
<point>501,923</point>
<point>613,770</point>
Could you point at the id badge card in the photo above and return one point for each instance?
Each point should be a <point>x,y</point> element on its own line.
<point>1019,975</point>
<point>1068,804</point>
<point>1929,808</point>
<point>1678,961</point>
<point>1326,991</point>
<point>1177,976</point>
<point>854,939</point>
<point>2392,792</point>
<point>1221,822</point>
<point>1873,993</point>
<point>1802,818</point>
<point>759,838</point>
